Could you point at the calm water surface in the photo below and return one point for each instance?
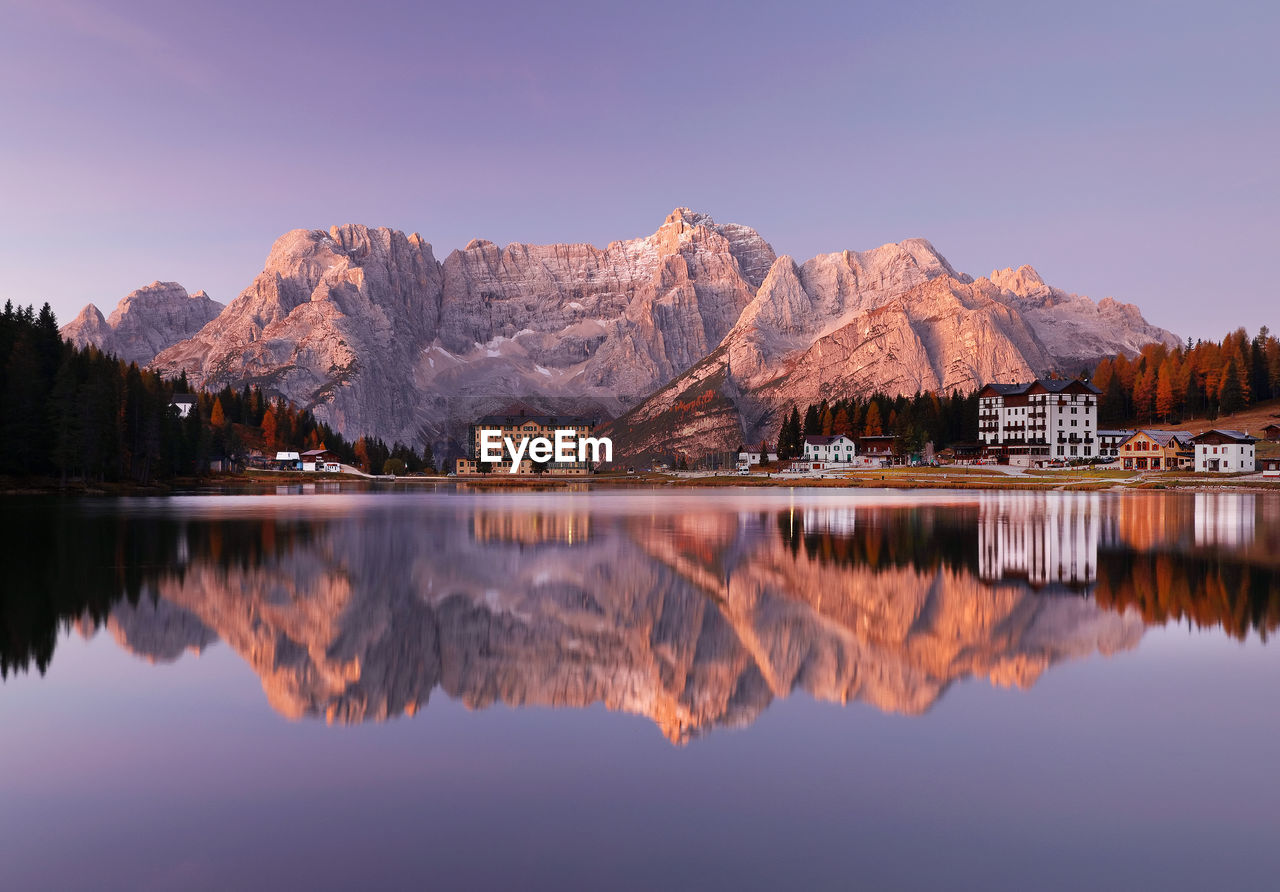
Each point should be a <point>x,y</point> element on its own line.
<point>614,690</point>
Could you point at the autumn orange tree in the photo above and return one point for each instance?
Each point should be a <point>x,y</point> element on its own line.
<point>1193,380</point>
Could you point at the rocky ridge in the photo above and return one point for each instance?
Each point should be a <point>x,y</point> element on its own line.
<point>698,335</point>
<point>144,322</point>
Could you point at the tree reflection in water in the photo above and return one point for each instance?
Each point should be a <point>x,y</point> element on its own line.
<point>697,616</point>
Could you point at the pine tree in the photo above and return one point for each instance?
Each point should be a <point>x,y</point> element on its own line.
<point>65,418</point>
<point>1231,395</point>
<point>790,436</point>
<point>812,421</point>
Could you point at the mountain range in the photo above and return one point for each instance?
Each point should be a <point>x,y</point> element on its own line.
<point>693,339</point>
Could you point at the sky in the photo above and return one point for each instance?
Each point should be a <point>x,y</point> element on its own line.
<point>1122,149</point>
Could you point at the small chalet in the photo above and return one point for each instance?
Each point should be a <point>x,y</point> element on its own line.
<point>1152,450</point>
<point>182,403</point>
<point>1268,457</point>
<point>879,449</point>
<point>748,459</point>
<point>1224,452</point>
<point>1271,432</point>
<point>288,461</point>
<point>319,460</point>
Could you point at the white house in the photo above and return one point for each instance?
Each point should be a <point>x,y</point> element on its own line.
<point>1044,420</point>
<point>837,449</point>
<point>1225,452</point>
<point>292,460</point>
<point>747,459</point>
<point>182,403</point>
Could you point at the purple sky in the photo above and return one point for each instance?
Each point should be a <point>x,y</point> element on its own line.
<point>1121,149</point>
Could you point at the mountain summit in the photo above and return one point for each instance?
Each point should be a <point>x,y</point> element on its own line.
<point>144,322</point>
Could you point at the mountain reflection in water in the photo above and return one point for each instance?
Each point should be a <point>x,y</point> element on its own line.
<point>693,609</point>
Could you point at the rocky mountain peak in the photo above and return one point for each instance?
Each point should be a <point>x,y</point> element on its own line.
<point>89,316</point>
<point>144,322</point>
<point>753,254</point>
<point>688,217</point>
<point>1024,281</point>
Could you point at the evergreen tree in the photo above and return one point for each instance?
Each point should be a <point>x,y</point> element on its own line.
<point>812,422</point>
<point>791,436</point>
<point>1231,395</point>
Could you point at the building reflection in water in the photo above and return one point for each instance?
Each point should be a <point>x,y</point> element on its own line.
<point>1042,538</point>
<point>841,521</point>
<point>694,610</point>
<point>1225,518</point>
<point>531,527</point>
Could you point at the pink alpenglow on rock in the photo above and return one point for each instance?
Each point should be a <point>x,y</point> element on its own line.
<point>693,337</point>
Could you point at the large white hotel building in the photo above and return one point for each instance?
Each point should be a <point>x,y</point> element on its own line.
<point>1044,420</point>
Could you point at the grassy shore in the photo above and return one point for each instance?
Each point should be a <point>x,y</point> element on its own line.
<point>892,478</point>
<point>983,478</point>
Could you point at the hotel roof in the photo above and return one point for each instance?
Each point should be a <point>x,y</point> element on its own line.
<point>543,420</point>
<point>1053,385</point>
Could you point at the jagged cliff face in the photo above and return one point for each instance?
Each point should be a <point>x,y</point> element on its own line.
<point>1073,328</point>
<point>335,322</point>
<point>145,321</point>
<point>695,620</point>
<point>899,320</point>
<point>368,329</point>
<point>365,326</point>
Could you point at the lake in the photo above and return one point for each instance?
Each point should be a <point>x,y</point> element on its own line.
<point>609,689</point>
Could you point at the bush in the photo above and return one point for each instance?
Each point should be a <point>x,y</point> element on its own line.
<point>393,466</point>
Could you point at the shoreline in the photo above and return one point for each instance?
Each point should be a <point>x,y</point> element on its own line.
<point>890,478</point>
